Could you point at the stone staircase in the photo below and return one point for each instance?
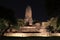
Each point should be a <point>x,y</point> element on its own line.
<point>28,29</point>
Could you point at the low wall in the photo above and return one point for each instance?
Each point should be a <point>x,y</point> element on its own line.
<point>31,34</point>
<point>26,34</point>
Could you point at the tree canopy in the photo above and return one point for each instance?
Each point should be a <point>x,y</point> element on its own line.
<point>7,14</point>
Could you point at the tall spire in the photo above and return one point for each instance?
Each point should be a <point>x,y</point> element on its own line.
<point>28,12</point>
<point>28,15</point>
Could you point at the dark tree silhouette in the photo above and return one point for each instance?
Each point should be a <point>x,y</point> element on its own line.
<point>53,10</point>
<point>8,15</point>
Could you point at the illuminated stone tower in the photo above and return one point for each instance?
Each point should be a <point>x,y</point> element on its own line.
<point>28,15</point>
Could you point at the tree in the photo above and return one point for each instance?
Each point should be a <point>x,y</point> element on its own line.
<point>2,26</point>
<point>7,14</point>
<point>58,24</point>
<point>21,22</point>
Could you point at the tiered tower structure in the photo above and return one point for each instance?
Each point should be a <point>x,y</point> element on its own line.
<point>28,15</point>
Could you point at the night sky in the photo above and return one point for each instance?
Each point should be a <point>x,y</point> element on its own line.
<point>40,8</point>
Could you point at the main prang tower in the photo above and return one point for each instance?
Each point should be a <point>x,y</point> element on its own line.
<point>28,15</point>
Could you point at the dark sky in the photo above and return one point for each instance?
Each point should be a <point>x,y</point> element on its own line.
<point>39,8</point>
